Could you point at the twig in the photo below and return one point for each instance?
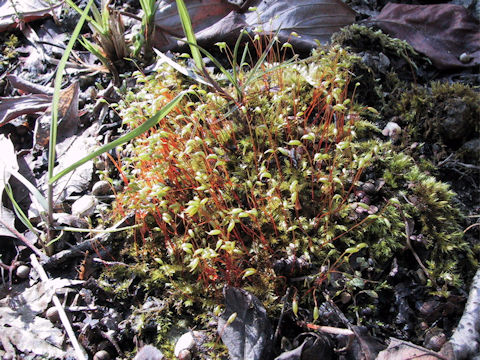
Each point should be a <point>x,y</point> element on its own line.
<point>80,352</point>
<point>452,163</point>
<point>330,329</point>
<point>470,227</point>
<point>282,313</point>
<point>408,233</point>
<point>10,269</point>
<point>444,161</point>
<point>24,240</point>
<point>79,249</point>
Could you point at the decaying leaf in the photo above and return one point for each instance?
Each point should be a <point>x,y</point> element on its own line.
<point>244,326</point>
<point>442,32</point>
<point>15,106</point>
<point>22,327</point>
<point>401,350</point>
<point>68,118</point>
<point>311,20</point>
<point>27,86</point>
<point>12,13</point>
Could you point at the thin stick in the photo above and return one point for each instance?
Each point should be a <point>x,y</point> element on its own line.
<point>285,301</point>
<point>80,352</point>
<point>80,248</point>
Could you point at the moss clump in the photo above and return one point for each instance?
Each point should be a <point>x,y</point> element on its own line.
<point>9,47</point>
<point>444,114</point>
<point>383,66</point>
<point>357,38</point>
<point>227,187</point>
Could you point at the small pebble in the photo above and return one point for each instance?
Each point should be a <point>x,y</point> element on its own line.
<point>185,342</point>
<point>185,355</point>
<point>149,352</point>
<point>465,58</point>
<point>84,206</point>
<point>392,130</point>
<point>345,297</point>
<point>23,271</point>
<point>101,187</point>
<point>53,315</point>
<point>369,188</point>
<point>188,341</point>
<point>101,355</point>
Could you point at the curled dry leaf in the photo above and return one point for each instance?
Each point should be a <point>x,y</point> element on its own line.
<point>15,106</point>
<point>249,334</point>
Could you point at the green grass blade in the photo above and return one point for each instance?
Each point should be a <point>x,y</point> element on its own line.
<point>40,198</point>
<point>260,61</point>
<point>56,93</point>
<point>127,137</point>
<point>90,20</point>
<point>95,50</point>
<point>220,67</point>
<point>189,33</point>
<point>18,211</point>
<point>244,55</point>
<point>235,54</point>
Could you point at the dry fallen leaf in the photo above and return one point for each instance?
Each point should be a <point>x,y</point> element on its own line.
<point>22,327</point>
<point>402,350</point>
<point>15,106</point>
<point>442,32</point>
<point>29,9</point>
<point>67,115</point>
<point>311,20</point>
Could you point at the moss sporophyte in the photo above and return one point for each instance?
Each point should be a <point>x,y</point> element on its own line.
<point>224,189</point>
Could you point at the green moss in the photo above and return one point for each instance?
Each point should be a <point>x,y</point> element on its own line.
<point>443,114</point>
<point>226,189</point>
<point>358,38</point>
<point>8,48</point>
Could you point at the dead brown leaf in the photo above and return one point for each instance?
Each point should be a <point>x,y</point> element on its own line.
<point>67,114</point>
<point>16,13</point>
<point>311,20</point>
<point>202,13</point>
<point>442,32</point>
<point>402,350</point>
<point>15,106</point>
